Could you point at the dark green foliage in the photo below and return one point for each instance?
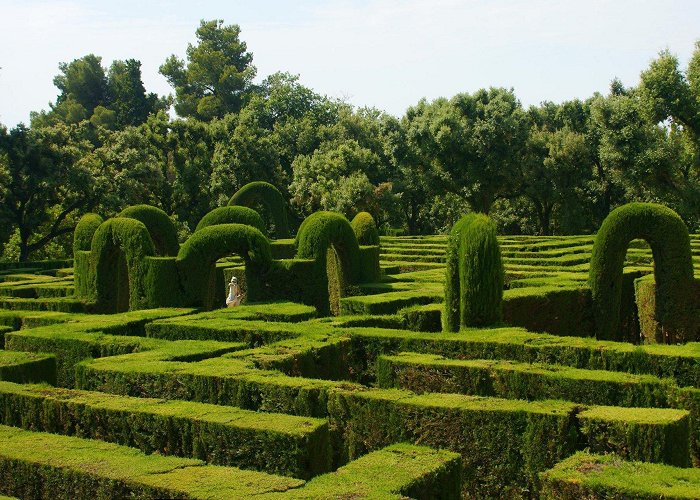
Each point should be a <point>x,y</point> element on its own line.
<point>559,311</point>
<point>159,225</point>
<point>365,229</point>
<point>650,435</point>
<point>198,256</point>
<point>119,249</point>
<point>608,477</point>
<point>161,283</point>
<point>325,234</point>
<point>271,198</point>
<point>274,443</point>
<point>27,367</point>
<point>232,215</point>
<point>668,237</point>
<point>84,231</point>
<point>83,275</point>
<point>474,280</point>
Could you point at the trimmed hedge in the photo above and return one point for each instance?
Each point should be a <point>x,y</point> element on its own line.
<point>513,380</point>
<point>598,477</point>
<point>323,235</point>
<point>161,227</point>
<point>269,442</point>
<point>668,237</point>
<point>649,435</point>
<point>84,231</point>
<point>232,215</point>
<point>119,247</point>
<point>503,444</point>
<point>268,195</point>
<point>40,465</point>
<point>27,367</point>
<point>365,229</point>
<point>198,255</point>
<point>474,279</point>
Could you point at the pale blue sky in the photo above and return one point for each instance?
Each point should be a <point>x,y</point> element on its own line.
<point>382,53</point>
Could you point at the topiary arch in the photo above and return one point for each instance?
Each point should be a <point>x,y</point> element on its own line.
<point>198,255</point>
<point>160,226</point>
<point>328,239</point>
<point>474,281</point>
<point>270,197</point>
<point>668,237</point>
<point>84,231</point>
<point>119,249</point>
<point>232,215</point>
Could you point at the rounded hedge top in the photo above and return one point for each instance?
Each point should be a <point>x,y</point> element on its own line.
<point>668,237</point>
<point>474,280</point>
<point>365,229</point>
<point>232,215</point>
<point>160,226</point>
<point>322,229</point>
<point>268,195</point>
<point>84,231</point>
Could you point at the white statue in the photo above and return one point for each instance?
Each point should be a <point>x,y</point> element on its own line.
<point>234,293</point>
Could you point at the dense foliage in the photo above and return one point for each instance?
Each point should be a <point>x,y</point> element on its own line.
<point>106,143</point>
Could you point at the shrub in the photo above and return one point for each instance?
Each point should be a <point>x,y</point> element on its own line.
<point>159,225</point>
<point>365,229</point>
<point>323,235</point>
<point>270,197</point>
<point>668,237</point>
<point>232,215</point>
<point>84,231</point>
<point>119,249</point>
<point>198,255</point>
<point>474,281</point>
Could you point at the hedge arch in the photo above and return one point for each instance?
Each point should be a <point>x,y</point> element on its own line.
<point>232,215</point>
<point>198,255</point>
<point>474,280</point>
<point>666,233</point>
<point>83,272</point>
<point>160,226</point>
<point>119,249</point>
<point>365,229</point>
<point>328,239</point>
<point>269,196</point>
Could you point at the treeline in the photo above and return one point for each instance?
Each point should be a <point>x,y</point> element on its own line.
<point>106,143</point>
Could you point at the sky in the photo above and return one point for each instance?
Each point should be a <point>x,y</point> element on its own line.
<point>386,54</point>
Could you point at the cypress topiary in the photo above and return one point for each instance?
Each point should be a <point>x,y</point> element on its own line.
<point>198,255</point>
<point>160,226</point>
<point>119,249</point>
<point>269,196</point>
<point>232,215</point>
<point>328,239</point>
<point>668,237</point>
<point>365,229</point>
<point>84,231</point>
<point>474,281</point>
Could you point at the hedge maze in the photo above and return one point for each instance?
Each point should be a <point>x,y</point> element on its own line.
<point>469,365</point>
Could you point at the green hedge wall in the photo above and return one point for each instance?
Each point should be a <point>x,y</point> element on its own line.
<point>365,229</point>
<point>120,245</point>
<point>667,235</point>
<point>232,215</point>
<point>27,367</point>
<point>222,435</point>
<point>159,225</point>
<point>198,255</point>
<point>608,477</point>
<point>84,276</point>
<point>268,195</point>
<point>474,280</point>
